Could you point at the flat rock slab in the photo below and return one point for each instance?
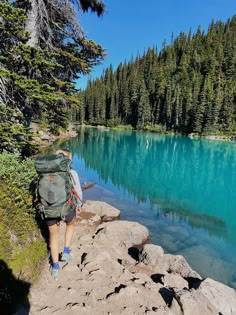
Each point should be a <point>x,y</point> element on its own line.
<point>222,296</point>
<point>103,209</point>
<point>123,232</point>
<point>88,218</point>
<point>194,302</point>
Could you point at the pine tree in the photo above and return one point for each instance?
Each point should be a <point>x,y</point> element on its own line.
<point>42,51</point>
<point>200,109</point>
<point>144,112</point>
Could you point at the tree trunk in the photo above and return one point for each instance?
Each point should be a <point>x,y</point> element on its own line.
<point>3,88</point>
<point>32,24</point>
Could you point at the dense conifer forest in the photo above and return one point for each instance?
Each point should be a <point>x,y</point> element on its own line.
<point>188,86</point>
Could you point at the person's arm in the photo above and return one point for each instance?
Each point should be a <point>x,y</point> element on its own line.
<point>77,187</point>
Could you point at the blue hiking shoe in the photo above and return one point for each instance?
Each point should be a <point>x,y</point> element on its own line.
<point>54,272</point>
<point>66,257</point>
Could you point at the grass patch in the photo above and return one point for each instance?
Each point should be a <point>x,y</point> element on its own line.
<point>123,127</point>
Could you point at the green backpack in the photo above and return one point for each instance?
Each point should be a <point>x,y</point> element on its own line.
<point>54,195</point>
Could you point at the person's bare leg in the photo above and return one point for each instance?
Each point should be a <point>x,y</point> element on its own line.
<point>69,233</point>
<point>54,242</point>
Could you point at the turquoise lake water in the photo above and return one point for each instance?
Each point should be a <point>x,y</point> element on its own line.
<point>183,190</point>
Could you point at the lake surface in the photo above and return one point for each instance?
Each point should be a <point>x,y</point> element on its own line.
<point>182,190</point>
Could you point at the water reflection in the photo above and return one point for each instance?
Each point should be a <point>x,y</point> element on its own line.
<point>194,179</point>
<point>183,190</point>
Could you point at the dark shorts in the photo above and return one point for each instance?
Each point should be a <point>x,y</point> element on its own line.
<point>68,219</point>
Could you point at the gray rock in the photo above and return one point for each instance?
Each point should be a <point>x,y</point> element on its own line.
<point>103,278</point>
<point>176,264</point>
<point>193,302</point>
<point>45,137</point>
<point>88,218</point>
<point>174,280</point>
<point>150,254</point>
<point>222,296</point>
<point>138,299</point>
<point>103,209</point>
<point>123,232</point>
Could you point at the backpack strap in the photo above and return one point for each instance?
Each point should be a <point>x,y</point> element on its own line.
<point>76,194</point>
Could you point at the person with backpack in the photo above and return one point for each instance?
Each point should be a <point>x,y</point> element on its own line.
<point>59,196</point>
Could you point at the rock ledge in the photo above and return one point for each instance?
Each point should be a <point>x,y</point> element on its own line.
<point>114,271</point>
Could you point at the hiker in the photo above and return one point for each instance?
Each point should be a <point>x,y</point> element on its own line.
<point>56,169</point>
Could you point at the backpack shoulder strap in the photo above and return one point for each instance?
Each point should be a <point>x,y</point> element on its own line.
<point>74,192</point>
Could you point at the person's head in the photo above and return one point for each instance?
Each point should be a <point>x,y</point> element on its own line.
<point>65,152</point>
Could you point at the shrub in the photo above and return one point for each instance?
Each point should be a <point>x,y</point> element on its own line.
<point>20,238</point>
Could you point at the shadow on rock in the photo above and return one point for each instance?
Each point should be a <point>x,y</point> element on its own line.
<point>167,295</point>
<point>13,292</point>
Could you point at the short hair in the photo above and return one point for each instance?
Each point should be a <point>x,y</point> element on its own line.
<point>65,152</point>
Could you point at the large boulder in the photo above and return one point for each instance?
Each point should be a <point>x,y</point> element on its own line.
<point>123,232</point>
<point>174,280</point>
<point>176,264</point>
<point>103,209</point>
<point>136,300</point>
<point>223,297</point>
<point>153,255</point>
<point>193,302</point>
<point>150,254</point>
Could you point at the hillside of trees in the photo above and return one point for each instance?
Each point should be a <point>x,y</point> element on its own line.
<point>43,50</point>
<point>189,86</point>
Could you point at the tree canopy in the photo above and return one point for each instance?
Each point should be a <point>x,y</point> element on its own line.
<point>189,86</point>
<point>43,50</point>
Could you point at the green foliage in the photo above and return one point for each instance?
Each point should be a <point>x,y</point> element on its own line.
<point>9,134</point>
<point>21,246</point>
<point>31,257</point>
<point>189,86</point>
<point>12,24</point>
<point>38,80</point>
<point>155,128</point>
<point>20,173</point>
<point>13,135</point>
<point>113,122</point>
<point>123,127</point>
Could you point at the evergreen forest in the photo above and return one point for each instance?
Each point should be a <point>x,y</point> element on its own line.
<point>43,50</point>
<point>189,86</point>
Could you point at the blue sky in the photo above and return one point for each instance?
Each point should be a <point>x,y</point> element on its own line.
<point>131,26</point>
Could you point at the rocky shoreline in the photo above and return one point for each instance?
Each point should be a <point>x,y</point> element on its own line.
<point>44,137</point>
<point>116,271</point>
<point>212,137</point>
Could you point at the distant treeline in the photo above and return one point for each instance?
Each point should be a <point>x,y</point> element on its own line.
<point>189,86</point>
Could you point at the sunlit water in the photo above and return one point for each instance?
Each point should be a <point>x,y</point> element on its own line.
<point>182,190</point>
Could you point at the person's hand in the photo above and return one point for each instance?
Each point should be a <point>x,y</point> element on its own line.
<point>78,209</point>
